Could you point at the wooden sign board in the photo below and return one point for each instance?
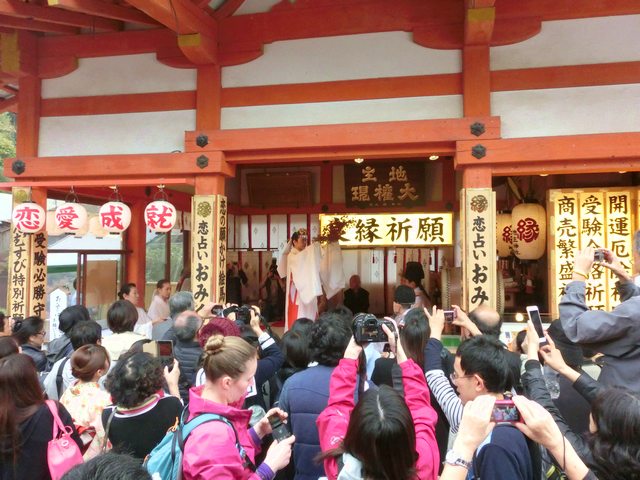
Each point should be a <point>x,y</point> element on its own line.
<point>478,226</point>
<point>388,184</point>
<point>589,217</point>
<point>399,229</point>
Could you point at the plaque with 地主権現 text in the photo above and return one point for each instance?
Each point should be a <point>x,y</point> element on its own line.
<point>388,184</point>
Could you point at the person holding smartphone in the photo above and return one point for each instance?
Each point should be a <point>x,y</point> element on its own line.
<point>614,334</point>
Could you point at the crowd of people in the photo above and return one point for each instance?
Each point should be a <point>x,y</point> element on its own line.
<point>352,409</point>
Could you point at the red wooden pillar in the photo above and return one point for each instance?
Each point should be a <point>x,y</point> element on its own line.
<point>136,247</point>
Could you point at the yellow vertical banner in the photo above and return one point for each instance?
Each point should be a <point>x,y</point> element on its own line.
<point>220,287</point>
<point>203,210</point>
<point>478,225</point>
<point>19,262</point>
<point>590,217</point>
<point>38,273</point>
<point>562,208</point>
<point>618,206</point>
<point>592,234</point>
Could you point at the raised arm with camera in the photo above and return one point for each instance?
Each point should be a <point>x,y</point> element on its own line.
<point>349,434</point>
<point>535,387</point>
<point>271,357</point>
<point>434,372</point>
<point>539,426</point>
<point>615,333</point>
<point>536,423</point>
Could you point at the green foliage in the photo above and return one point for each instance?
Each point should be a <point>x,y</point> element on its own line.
<point>7,139</point>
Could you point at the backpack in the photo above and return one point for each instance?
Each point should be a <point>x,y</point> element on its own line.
<point>165,460</point>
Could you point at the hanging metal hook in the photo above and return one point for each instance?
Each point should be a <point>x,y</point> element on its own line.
<point>161,194</point>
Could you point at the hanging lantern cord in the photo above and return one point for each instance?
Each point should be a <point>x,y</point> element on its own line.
<point>161,194</point>
<point>115,196</point>
<point>71,197</point>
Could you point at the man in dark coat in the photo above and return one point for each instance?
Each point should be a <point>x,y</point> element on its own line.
<point>356,298</point>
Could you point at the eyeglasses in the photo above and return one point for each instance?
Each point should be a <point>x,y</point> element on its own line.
<point>454,376</point>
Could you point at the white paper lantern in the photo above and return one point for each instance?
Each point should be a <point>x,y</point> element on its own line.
<point>82,231</point>
<point>52,228</point>
<point>504,234</point>
<point>160,216</point>
<point>95,228</point>
<point>28,217</point>
<point>529,224</point>
<point>71,217</point>
<point>115,217</point>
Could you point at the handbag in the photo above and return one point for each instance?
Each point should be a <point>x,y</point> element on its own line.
<point>63,452</point>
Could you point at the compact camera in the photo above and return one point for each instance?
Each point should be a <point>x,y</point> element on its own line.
<point>505,411</point>
<point>598,256</point>
<point>449,316</point>
<point>243,313</point>
<point>368,328</point>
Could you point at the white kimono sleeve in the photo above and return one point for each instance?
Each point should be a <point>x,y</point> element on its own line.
<point>331,270</point>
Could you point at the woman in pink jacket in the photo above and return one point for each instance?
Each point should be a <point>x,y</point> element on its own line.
<point>210,451</point>
<point>383,436</point>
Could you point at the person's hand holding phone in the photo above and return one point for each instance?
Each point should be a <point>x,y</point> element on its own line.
<point>172,378</point>
<point>462,320</point>
<point>436,321</point>
<point>537,423</point>
<point>536,321</point>
<point>553,357</point>
<point>614,264</point>
<point>475,426</point>
<point>263,427</point>
<point>582,263</point>
<point>533,342</point>
<point>279,454</point>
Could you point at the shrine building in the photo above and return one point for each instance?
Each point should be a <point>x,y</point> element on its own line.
<point>487,140</point>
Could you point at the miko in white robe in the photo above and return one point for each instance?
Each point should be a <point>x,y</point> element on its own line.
<point>307,272</point>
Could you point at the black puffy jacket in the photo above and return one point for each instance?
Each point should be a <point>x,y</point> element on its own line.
<point>188,355</point>
<point>536,389</point>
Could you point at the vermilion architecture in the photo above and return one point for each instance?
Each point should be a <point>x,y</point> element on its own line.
<point>190,94</point>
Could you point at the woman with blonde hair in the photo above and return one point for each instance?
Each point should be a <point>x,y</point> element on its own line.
<point>226,449</point>
<point>84,399</point>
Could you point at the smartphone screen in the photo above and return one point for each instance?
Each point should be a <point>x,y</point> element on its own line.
<point>534,316</point>
<point>165,352</point>
<point>165,348</point>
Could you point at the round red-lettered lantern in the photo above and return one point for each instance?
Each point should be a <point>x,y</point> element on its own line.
<point>71,218</point>
<point>529,224</point>
<point>160,216</point>
<point>28,217</point>
<point>504,234</point>
<point>115,217</point>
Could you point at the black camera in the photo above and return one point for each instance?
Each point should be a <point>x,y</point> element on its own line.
<point>598,256</point>
<point>368,328</point>
<point>243,313</point>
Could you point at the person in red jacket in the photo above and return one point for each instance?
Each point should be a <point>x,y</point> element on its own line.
<point>384,435</point>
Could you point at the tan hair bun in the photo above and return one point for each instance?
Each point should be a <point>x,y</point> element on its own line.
<point>214,344</point>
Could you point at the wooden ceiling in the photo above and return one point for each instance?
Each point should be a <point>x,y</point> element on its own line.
<point>187,33</point>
